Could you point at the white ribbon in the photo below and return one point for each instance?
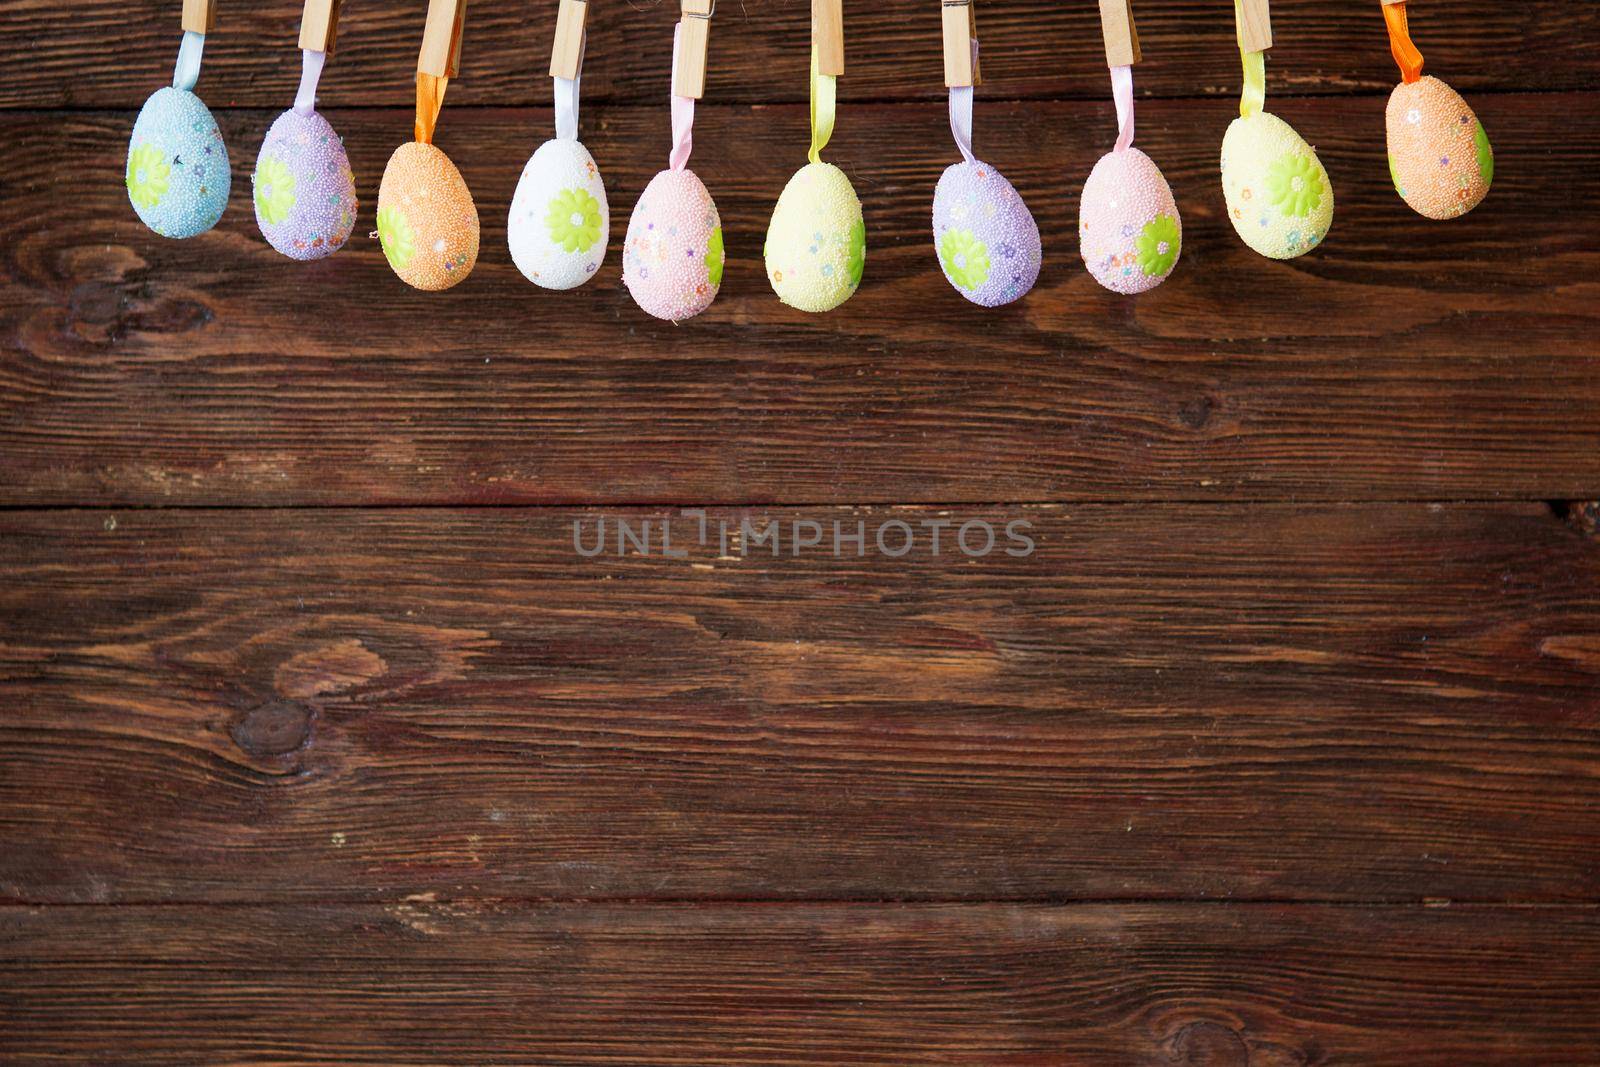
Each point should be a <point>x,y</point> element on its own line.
<point>305,101</point>
<point>961,113</point>
<point>567,99</point>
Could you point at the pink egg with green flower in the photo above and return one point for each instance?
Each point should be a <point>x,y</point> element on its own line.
<point>1129,231</point>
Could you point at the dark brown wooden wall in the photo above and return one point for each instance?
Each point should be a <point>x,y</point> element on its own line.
<point>319,742</point>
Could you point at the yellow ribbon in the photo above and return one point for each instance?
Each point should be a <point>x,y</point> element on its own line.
<point>822,109</point>
<point>1254,96</point>
<point>430,98</point>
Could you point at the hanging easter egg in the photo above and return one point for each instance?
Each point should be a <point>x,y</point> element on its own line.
<point>177,176</point>
<point>1278,195</point>
<point>560,222</point>
<point>1128,225</point>
<point>817,241</point>
<point>985,236</point>
<point>427,222</point>
<point>1439,156</point>
<point>305,195</point>
<point>672,257</point>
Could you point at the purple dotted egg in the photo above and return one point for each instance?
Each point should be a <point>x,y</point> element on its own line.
<point>305,194</point>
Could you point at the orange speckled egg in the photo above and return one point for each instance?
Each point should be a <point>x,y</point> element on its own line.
<point>1439,156</point>
<point>426,219</point>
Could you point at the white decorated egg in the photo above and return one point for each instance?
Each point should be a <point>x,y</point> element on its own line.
<point>817,242</point>
<point>427,221</point>
<point>1278,195</point>
<point>560,222</point>
<point>1128,226</point>
<point>177,175</point>
<point>304,193</point>
<point>672,258</point>
<point>985,236</point>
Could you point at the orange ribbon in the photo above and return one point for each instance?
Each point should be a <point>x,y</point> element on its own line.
<point>430,98</point>
<point>1405,53</point>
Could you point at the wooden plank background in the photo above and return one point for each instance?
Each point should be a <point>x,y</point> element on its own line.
<point>352,703</point>
<point>319,742</point>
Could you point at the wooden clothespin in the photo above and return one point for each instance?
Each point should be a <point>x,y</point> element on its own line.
<point>960,43</point>
<point>827,35</point>
<point>441,38</point>
<point>1122,38</point>
<point>319,25</point>
<point>199,15</point>
<point>1254,24</point>
<point>566,56</point>
<point>694,37</point>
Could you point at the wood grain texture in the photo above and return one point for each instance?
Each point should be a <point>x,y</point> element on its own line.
<point>1157,986</point>
<point>1269,702</point>
<point>1406,359</point>
<point>1031,49</point>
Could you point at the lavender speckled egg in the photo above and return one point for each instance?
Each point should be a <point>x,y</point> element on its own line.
<point>305,194</point>
<point>177,175</point>
<point>672,258</point>
<point>1128,225</point>
<point>985,236</point>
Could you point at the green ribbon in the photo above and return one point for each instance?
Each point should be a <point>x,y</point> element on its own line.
<point>1254,96</point>
<point>822,109</point>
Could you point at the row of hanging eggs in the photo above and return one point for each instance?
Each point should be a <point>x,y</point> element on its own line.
<point>178,179</point>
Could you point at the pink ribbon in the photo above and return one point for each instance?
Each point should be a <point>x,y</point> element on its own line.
<point>1122,93</point>
<point>682,117</point>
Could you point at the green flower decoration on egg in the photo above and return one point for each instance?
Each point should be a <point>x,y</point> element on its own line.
<point>394,233</point>
<point>1158,246</point>
<point>965,258</point>
<point>714,257</point>
<point>858,252</point>
<point>1395,178</point>
<point>274,184</point>
<point>573,220</point>
<point>148,175</point>
<point>1295,185</point>
<point>1485,154</point>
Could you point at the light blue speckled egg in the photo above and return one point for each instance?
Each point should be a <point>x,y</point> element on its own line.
<point>178,175</point>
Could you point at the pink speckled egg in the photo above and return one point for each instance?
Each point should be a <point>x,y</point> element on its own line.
<point>985,236</point>
<point>304,192</point>
<point>1128,226</point>
<point>672,257</point>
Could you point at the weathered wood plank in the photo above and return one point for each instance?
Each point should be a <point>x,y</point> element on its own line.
<point>435,982</point>
<point>1031,48</point>
<point>1268,702</point>
<point>1407,359</point>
